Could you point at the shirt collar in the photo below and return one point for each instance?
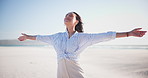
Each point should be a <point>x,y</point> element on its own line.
<point>68,34</point>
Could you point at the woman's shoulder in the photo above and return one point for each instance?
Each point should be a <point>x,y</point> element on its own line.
<point>83,33</point>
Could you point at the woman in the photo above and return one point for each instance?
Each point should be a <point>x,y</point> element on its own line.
<point>71,43</point>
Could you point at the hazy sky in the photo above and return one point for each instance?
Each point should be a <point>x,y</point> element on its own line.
<point>46,17</point>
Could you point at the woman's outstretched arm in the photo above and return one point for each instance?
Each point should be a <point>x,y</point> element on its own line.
<point>136,33</point>
<point>25,37</point>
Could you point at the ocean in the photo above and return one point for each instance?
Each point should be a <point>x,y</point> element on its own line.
<point>144,47</point>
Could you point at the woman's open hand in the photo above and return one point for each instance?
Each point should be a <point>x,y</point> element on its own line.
<point>23,38</point>
<point>137,33</point>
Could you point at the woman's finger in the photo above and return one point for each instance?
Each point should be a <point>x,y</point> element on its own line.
<point>143,32</point>
<point>23,33</point>
<point>20,39</point>
<point>137,29</point>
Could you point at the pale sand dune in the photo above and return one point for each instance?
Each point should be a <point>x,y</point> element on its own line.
<point>40,62</point>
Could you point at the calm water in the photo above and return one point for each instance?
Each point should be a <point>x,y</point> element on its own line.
<point>121,46</point>
<point>145,47</point>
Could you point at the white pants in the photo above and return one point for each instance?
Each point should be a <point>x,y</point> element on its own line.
<point>69,69</point>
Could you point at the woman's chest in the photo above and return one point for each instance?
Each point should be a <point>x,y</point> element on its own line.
<point>67,44</point>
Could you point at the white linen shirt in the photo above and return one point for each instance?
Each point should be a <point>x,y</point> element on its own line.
<point>70,48</point>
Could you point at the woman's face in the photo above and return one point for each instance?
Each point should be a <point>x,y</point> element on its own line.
<point>70,19</point>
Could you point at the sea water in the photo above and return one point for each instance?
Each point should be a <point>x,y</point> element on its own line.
<point>145,47</point>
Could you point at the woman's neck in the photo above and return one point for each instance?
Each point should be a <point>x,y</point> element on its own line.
<point>71,31</point>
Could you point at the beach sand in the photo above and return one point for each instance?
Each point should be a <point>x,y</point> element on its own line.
<point>41,62</point>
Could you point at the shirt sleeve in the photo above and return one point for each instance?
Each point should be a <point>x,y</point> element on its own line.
<point>89,39</point>
<point>46,38</point>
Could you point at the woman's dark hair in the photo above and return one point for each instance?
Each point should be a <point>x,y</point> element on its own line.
<point>79,26</point>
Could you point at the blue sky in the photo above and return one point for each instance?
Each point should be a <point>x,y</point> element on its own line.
<point>46,17</point>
